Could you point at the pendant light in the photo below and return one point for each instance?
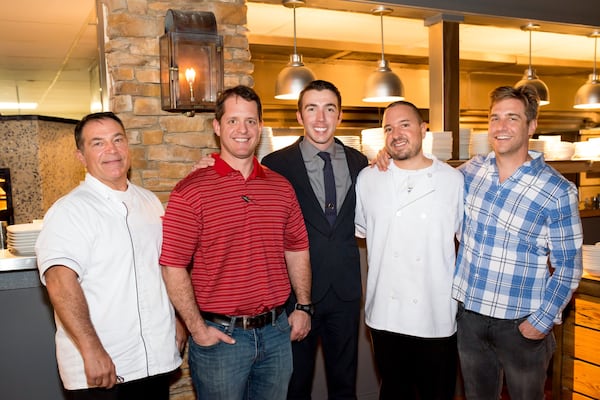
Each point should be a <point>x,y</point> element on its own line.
<point>295,76</point>
<point>530,78</point>
<point>383,85</point>
<point>588,96</point>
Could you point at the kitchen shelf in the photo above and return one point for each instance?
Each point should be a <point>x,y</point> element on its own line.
<point>564,167</point>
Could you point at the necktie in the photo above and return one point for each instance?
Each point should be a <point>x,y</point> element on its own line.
<point>330,206</point>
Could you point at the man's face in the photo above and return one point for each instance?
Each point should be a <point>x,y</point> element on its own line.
<point>403,132</point>
<point>105,152</point>
<point>509,131</point>
<point>239,129</point>
<point>320,115</point>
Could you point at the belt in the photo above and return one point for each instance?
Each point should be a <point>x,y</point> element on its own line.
<point>244,321</point>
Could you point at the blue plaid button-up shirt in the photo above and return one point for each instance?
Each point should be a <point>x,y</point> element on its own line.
<point>512,231</point>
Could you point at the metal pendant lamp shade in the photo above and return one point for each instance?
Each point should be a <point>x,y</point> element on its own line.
<point>530,78</point>
<point>295,76</point>
<point>383,85</point>
<point>588,96</point>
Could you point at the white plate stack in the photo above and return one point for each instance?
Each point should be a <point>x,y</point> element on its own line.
<point>21,238</point>
<point>559,151</point>
<point>463,143</point>
<point>266,143</point>
<point>588,150</point>
<point>591,259</point>
<point>439,144</point>
<point>350,141</point>
<point>479,144</point>
<point>372,140</point>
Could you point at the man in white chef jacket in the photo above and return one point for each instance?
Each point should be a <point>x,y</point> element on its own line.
<point>98,257</point>
<point>410,215</point>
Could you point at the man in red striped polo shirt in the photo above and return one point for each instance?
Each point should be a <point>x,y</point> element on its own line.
<point>234,240</point>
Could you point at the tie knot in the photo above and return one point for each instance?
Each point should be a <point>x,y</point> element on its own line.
<point>325,156</point>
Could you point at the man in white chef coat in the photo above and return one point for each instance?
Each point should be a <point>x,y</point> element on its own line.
<point>410,215</point>
<point>98,257</point>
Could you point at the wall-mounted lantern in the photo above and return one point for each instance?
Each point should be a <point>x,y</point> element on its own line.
<point>191,62</point>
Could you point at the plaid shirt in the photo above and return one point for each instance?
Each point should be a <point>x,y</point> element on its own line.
<point>510,232</point>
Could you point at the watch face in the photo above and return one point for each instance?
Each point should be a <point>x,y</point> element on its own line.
<point>308,308</point>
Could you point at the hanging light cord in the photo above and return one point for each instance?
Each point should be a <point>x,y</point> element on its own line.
<point>595,48</point>
<point>530,50</point>
<point>295,52</point>
<point>381,25</point>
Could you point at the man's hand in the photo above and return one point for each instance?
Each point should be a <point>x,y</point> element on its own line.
<point>300,322</point>
<point>209,336</point>
<point>99,368</point>
<point>382,160</point>
<point>529,332</point>
<point>181,334</point>
<point>204,162</point>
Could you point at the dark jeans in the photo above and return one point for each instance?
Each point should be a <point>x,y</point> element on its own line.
<point>491,349</point>
<point>414,368</point>
<point>335,324</point>
<point>151,388</point>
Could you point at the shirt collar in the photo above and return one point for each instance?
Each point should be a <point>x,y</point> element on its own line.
<point>310,151</point>
<point>222,168</point>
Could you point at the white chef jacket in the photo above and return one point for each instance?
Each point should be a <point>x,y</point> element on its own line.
<point>410,219</point>
<point>112,240</point>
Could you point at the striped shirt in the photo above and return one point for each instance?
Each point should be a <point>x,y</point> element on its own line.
<point>234,231</point>
<point>511,233</point>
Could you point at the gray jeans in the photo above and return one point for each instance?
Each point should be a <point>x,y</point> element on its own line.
<point>491,349</point>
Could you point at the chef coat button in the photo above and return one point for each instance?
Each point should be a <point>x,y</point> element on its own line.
<point>415,301</point>
<point>398,213</point>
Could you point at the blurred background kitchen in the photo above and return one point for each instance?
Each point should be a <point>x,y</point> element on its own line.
<point>62,59</point>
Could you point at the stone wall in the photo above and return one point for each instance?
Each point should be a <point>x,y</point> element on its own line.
<point>165,145</point>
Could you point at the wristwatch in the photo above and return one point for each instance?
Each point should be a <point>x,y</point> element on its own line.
<point>307,308</point>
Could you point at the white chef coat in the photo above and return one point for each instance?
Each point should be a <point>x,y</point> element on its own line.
<point>112,240</point>
<point>410,219</point>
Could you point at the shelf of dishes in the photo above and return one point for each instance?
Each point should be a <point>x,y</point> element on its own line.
<point>564,167</point>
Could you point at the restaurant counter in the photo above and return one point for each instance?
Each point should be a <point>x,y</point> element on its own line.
<point>28,361</point>
<point>576,365</point>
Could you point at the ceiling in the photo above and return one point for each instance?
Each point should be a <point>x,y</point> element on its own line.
<point>49,50</point>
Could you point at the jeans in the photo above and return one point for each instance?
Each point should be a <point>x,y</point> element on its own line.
<point>491,349</point>
<point>257,366</point>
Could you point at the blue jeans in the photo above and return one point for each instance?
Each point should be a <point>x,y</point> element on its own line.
<point>490,349</point>
<point>257,366</point>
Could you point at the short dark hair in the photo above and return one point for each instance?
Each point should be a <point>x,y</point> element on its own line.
<point>242,91</point>
<point>320,85</point>
<point>408,104</point>
<point>93,117</point>
<point>526,94</point>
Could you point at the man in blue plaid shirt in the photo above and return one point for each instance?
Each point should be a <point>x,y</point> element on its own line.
<point>519,259</point>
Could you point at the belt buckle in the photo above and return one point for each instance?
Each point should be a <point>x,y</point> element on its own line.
<point>246,321</point>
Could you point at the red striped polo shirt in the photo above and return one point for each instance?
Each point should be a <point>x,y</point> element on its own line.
<point>233,232</point>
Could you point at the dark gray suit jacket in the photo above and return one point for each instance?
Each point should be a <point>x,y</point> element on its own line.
<point>334,255</point>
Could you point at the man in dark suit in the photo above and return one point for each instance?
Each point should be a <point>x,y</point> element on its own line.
<point>334,255</point>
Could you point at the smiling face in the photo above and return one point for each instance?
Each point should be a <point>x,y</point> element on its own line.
<point>404,132</point>
<point>509,131</point>
<point>105,152</point>
<point>238,129</point>
<point>320,116</point>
